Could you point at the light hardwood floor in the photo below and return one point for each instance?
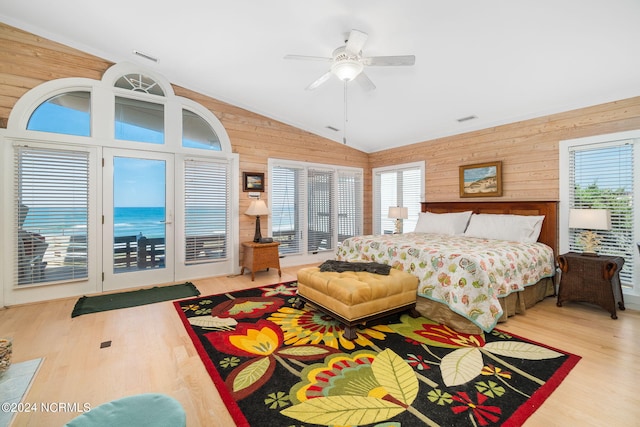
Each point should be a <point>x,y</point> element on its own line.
<point>151,352</point>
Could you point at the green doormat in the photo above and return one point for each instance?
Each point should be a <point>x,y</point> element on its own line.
<point>86,305</point>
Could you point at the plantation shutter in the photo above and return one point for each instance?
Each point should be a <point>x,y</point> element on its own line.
<point>320,209</point>
<point>51,215</point>
<point>602,177</point>
<point>207,214</point>
<point>349,204</point>
<point>286,209</point>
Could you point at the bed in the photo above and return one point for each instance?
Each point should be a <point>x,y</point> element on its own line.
<point>468,281</point>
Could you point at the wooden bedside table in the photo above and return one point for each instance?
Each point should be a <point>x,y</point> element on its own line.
<point>260,256</point>
<point>593,279</point>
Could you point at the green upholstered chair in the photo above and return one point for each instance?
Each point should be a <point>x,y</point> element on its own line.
<point>150,409</point>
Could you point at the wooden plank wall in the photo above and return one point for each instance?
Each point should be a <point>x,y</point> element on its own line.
<point>528,149</point>
<point>28,60</point>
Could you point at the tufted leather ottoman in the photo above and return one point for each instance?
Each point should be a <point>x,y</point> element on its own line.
<point>357,297</point>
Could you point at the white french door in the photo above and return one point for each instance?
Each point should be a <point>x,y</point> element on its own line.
<point>52,227</point>
<point>138,218</point>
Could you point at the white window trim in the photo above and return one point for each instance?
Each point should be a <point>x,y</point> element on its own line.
<point>102,100</point>
<point>103,94</point>
<point>632,295</point>
<point>305,257</point>
<point>376,190</point>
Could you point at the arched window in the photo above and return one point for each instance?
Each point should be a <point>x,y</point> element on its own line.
<point>68,113</point>
<point>139,83</point>
<point>197,133</point>
<point>142,108</point>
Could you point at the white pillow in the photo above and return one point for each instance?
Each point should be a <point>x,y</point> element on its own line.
<point>516,228</point>
<point>444,223</point>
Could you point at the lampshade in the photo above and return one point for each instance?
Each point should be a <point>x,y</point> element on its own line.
<point>398,212</point>
<point>257,208</point>
<point>347,69</point>
<point>590,219</point>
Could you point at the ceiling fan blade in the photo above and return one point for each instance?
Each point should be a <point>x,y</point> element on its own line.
<point>389,60</point>
<point>355,43</point>
<point>365,82</point>
<point>323,78</point>
<point>307,58</point>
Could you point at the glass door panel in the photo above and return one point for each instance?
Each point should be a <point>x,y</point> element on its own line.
<point>138,220</point>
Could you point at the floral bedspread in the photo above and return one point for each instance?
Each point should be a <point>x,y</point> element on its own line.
<point>467,274</point>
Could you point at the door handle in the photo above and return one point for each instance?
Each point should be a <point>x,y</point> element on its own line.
<point>169,219</point>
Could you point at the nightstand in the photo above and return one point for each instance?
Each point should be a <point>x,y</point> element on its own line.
<point>592,279</point>
<point>260,256</point>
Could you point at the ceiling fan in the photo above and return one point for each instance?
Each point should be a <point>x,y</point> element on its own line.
<point>347,62</point>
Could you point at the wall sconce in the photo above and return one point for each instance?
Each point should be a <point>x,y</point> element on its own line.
<point>588,220</point>
<point>399,213</point>
<point>257,208</point>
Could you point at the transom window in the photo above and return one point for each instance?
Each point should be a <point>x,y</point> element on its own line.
<point>139,83</point>
<point>68,113</point>
<point>197,133</point>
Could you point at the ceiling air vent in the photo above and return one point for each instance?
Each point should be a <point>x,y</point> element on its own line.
<point>333,129</point>
<point>466,119</point>
<point>145,56</point>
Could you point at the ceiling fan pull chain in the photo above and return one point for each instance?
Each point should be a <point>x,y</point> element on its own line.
<point>344,136</point>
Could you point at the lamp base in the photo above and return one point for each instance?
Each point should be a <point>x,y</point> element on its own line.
<point>594,254</point>
<point>257,235</point>
<point>590,242</point>
<point>398,228</point>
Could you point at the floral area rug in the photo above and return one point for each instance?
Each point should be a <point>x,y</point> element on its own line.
<point>275,365</point>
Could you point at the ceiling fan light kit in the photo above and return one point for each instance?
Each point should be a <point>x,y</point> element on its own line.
<point>347,69</point>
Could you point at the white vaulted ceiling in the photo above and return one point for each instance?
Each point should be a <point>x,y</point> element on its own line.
<point>498,60</point>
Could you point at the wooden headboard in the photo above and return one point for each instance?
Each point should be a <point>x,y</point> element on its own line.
<point>548,234</point>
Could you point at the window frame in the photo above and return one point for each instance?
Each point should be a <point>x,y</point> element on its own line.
<point>377,220</point>
<point>102,136</point>
<point>304,254</point>
<point>599,141</point>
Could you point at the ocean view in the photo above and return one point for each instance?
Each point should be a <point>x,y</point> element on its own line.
<point>127,221</point>
<point>132,221</point>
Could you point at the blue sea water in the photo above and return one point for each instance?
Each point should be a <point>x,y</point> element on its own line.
<point>133,221</point>
<point>127,221</point>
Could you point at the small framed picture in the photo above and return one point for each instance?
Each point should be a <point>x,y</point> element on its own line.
<point>481,180</point>
<point>253,181</point>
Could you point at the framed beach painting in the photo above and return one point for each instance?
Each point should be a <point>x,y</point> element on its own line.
<point>253,181</point>
<point>481,180</point>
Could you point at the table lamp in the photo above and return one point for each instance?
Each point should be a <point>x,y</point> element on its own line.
<point>399,213</point>
<point>257,208</point>
<point>588,220</point>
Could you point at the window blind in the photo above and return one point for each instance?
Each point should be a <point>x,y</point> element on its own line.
<point>52,212</point>
<point>207,214</point>
<point>320,209</point>
<point>286,182</point>
<point>602,177</point>
<point>349,204</point>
